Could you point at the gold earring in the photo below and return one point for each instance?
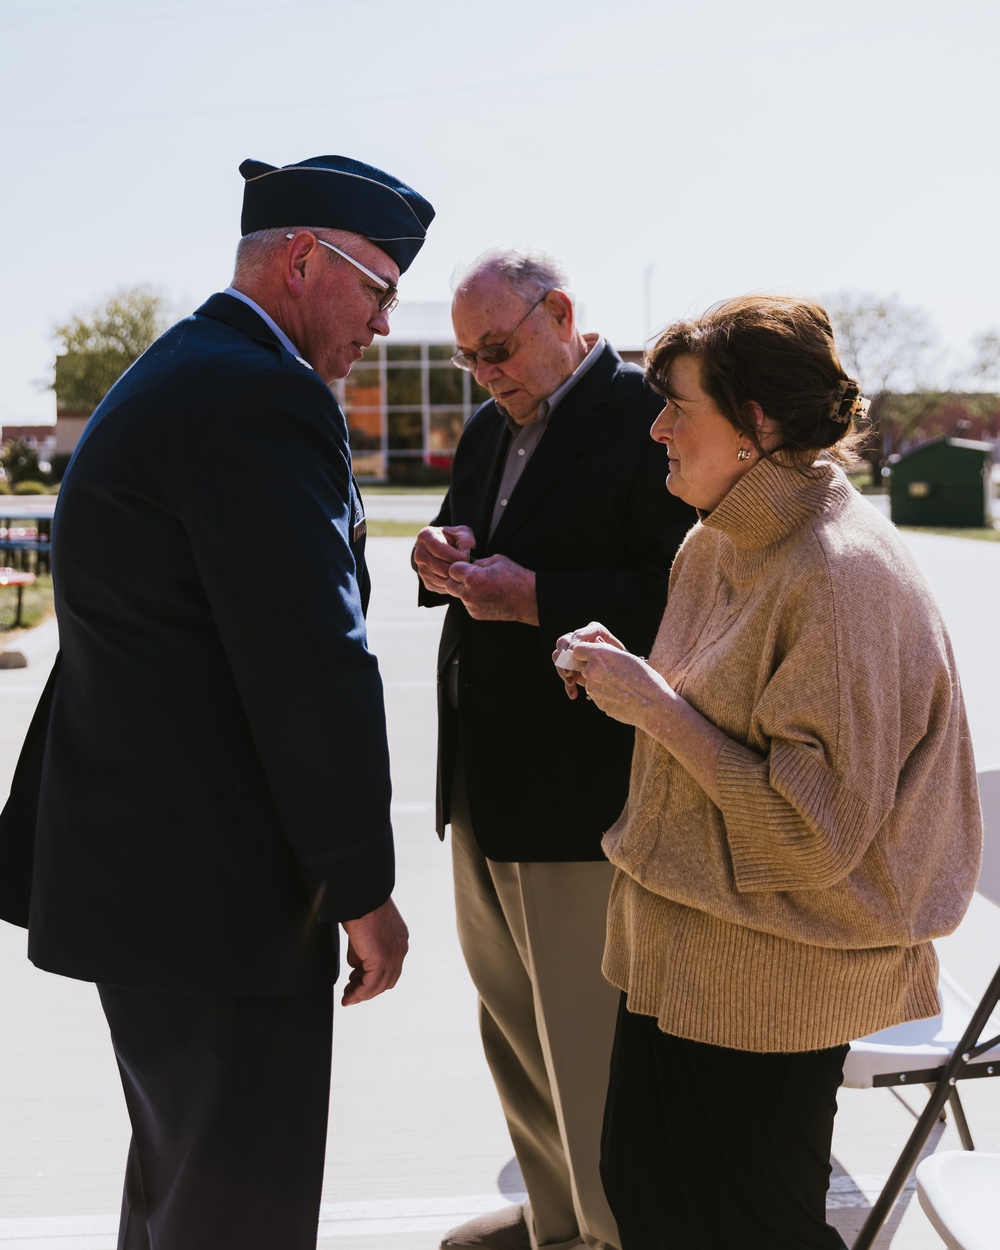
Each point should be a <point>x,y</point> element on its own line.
<point>743,453</point>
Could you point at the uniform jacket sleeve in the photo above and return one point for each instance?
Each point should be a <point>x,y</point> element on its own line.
<point>269,515</point>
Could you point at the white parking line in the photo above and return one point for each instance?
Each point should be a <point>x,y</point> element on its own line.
<point>342,1219</point>
<point>350,1219</point>
<point>407,1215</point>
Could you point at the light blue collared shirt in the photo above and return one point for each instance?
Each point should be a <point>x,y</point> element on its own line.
<point>283,338</point>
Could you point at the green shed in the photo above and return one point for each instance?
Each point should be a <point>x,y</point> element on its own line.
<point>945,481</point>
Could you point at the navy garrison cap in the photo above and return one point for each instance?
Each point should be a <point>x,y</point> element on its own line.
<point>341,194</point>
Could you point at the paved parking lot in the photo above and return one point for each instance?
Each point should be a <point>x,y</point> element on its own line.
<point>417,1141</point>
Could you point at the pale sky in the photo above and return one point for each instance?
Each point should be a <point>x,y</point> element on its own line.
<point>671,154</point>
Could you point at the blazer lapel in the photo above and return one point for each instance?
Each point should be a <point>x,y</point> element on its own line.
<point>576,420</point>
<point>494,457</point>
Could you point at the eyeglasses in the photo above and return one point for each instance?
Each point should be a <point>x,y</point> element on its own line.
<point>492,353</point>
<point>386,302</point>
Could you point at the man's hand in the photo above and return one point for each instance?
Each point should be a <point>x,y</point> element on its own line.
<point>437,548</point>
<point>496,589</point>
<point>376,947</point>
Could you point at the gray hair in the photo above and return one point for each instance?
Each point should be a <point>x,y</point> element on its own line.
<point>529,271</point>
<point>254,251</point>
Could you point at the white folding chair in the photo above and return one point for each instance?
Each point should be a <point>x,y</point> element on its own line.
<point>960,1192</point>
<point>960,1044</point>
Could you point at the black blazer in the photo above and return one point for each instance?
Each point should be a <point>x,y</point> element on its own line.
<point>591,515</point>
<point>207,772</point>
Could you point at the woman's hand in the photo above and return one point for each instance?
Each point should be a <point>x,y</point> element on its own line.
<point>571,673</point>
<point>621,684</point>
<point>631,691</point>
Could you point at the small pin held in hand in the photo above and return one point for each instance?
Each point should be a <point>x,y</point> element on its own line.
<point>565,660</point>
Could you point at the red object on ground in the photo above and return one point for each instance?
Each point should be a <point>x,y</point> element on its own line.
<point>14,577</point>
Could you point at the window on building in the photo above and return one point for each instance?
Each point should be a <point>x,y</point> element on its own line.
<point>406,406</point>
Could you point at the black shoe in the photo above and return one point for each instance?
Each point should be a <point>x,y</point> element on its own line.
<point>506,1229</point>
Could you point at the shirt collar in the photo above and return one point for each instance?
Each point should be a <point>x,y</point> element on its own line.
<point>283,338</point>
<point>595,345</point>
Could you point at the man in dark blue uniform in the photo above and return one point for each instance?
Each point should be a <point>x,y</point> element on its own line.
<point>194,813</point>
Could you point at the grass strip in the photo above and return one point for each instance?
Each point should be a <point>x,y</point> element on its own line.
<point>988,535</point>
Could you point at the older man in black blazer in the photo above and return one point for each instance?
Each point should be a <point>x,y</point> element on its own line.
<point>204,796</point>
<point>557,514</point>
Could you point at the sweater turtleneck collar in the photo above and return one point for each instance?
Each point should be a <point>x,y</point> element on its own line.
<point>775,499</point>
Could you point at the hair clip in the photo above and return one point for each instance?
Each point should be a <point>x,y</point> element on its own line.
<point>848,404</point>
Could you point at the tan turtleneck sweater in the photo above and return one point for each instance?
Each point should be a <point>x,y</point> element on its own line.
<point>798,915</point>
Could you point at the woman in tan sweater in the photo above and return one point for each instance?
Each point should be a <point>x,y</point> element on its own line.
<point>803,816</point>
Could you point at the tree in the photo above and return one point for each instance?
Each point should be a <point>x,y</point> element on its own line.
<point>891,349</point>
<point>20,462</point>
<point>986,358</point>
<point>96,346</point>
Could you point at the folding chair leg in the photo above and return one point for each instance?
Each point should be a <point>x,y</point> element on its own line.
<point>961,1123</point>
<point>905,1164</point>
<point>943,1117</point>
<point>943,1091</point>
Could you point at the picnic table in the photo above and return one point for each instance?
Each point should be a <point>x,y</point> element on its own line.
<point>20,579</point>
<point>26,540</point>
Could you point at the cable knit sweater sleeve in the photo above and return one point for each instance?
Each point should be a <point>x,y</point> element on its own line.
<point>799,624</point>
<point>828,732</point>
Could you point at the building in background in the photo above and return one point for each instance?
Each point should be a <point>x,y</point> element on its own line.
<point>40,438</point>
<point>71,420</point>
<point>406,403</point>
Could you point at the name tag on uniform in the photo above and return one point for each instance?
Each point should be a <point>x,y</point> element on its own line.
<point>360,527</point>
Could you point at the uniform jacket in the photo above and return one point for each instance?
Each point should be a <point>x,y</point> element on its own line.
<point>591,515</point>
<point>207,771</point>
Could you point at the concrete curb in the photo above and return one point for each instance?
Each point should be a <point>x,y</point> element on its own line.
<point>33,646</point>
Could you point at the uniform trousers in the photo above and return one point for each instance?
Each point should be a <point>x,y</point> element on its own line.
<point>229,1100</point>
<point>533,937</point>
<point>707,1148</point>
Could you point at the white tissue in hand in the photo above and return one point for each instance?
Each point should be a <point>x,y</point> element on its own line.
<point>565,660</point>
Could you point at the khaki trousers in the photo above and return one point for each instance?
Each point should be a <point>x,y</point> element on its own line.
<point>533,936</point>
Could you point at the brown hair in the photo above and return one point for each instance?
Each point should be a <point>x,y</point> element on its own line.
<point>776,350</point>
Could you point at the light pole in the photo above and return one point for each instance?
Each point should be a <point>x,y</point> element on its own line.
<point>647,276</point>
